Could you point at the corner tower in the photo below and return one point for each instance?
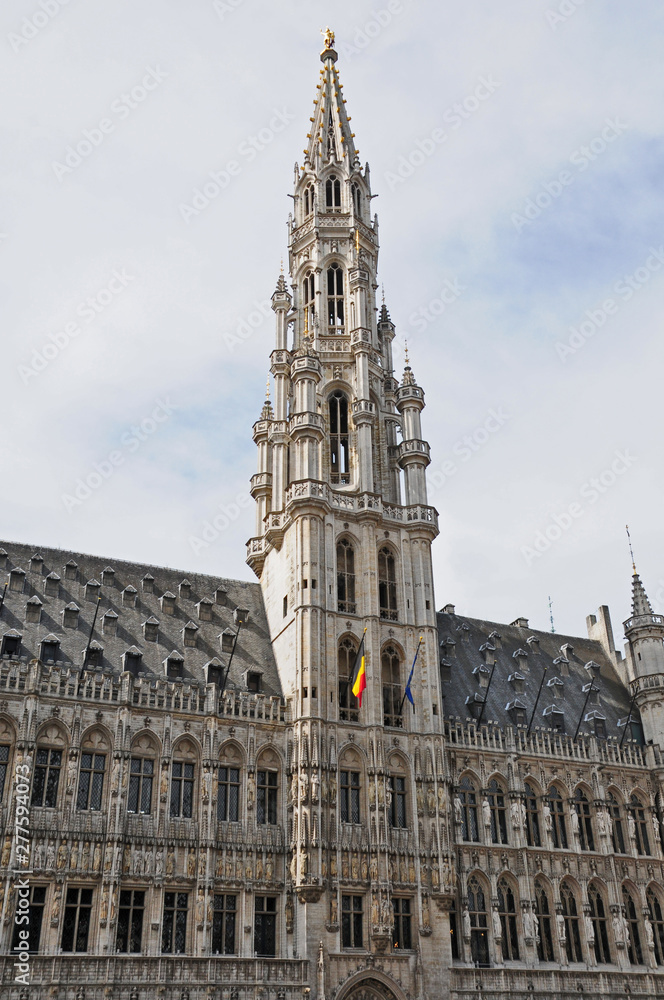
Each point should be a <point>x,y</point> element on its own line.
<point>343,531</point>
<point>645,654</point>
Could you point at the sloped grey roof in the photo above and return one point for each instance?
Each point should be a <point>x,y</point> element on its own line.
<point>253,650</point>
<point>463,639</point>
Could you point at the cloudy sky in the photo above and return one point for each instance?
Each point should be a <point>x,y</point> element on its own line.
<point>138,329</point>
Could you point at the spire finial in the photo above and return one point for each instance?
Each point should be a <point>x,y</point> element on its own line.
<point>406,351</point>
<point>267,390</point>
<point>382,288</point>
<point>631,551</point>
<point>328,35</point>
<point>553,628</point>
<point>282,266</point>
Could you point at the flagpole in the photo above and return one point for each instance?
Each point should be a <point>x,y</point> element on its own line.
<point>410,677</point>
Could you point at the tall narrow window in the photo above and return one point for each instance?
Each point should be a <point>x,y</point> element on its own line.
<point>387,585</point>
<point>130,921</point>
<point>309,301</point>
<point>46,778</point>
<point>91,781</point>
<point>36,903</point>
<point>401,932</point>
<point>351,922</point>
<point>468,798</point>
<point>392,693</point>
<point>333,192</point>
<point>182,789</point>
<point>357,200</point>
<point>228,794</point>
<point>348,704</point>
<point>454,937</point>
<point>479,934</point>
<point>657,921</point>
<point>266,804</point>
<point>598,917</point>
<point>638,814</point>
<point>349,794</point>
<point>582,807</point>
<point>634,948</point>
<point>174,927</point>
<point>141,776</point>
<point>571,915</point>
<point>339,446</point>
<point>4,760</point>
<point>398,815</point>
<point>308,199</point>
<point>533,837</point>
<point>559,828</point>
<point>507,913</point>
<point>223,925</point>
<point>345,577</point>
<point>265,926</point>
<point>496,798</point>
<point>543,911</point>
<point>617,834</point>
<point>76,922</point>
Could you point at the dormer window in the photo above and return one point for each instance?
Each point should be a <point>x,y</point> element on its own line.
<point>52,585</point>
<point>33,609</point>
<point>448,645</point>
<point>214,671</point>
<point>598,723</point>
<point>49,649</point>
<point>482,675</point>
<point>533,643</point>
<point>517,711</point>
<point>567,650</point>
<point>132,660</point>
<point>474,704</point>
<point>109,623</point>
<point>36,563</point>
<point>17,579</point>
<point>557,687</point>
<point>496,639</point>
<point>108,576</point>
<point>184,590</point>
<point>593,668</point>
<point>563,663</point>
<point>11,643</point>
<point>94,656</point>
<point>205,609</point>
<point>308,199</point>
<point>464,629</point>
<point>151,629</point>
<point>129,595</point>
<point>71,570</point>
<point>70,615</point>
<point>92,589</point>
<point>221,596</point>
<point>189,633</point>
<point>518,682</point>
<point>487,650</point>
<point>521,657</point>
<point>556,718</point>
<point>3,558</point>
<point>241,616</point>
<point>174,664</point>
<point>333,192</point>
<point>168,603</point>
<point>254,681</point>
<point>148,583</point>
<point>593,693</point>
<point>335,299</point>
<point>227,640</point>
<point>445,670</point>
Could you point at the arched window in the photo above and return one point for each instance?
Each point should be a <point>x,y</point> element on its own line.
<point>634,949</point>
<point>571,915</point>
<point>598,917</point>
<point>507,913</point>
<point>398,778</point>
<point>582,807</point>
<point>479,935</point>
<point>657,921</point>
<point>617,833</point>
<point>558,826</point>
<point>348,703</point>
<point>308,301</point>
<point>308,199</point>
<point>533,837</point>
<point>49,758</point>
<point>333,192</point>
<point>387,585</point>
<point>339,449</point>
<point>183,780</point>
<point>468,798</point>
<point>454,936</point>
<point>638,814</point>
<point>543,911</point>
<point>390,665</point>
<point>345,577</point>
<point>496,798</point>
<point>228,793</point>
<point>357,202</point>
<point>335,299</point>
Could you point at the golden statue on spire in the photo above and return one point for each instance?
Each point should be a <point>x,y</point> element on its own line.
<point>329,38</point>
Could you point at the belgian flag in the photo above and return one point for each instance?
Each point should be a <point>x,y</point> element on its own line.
<point>359,673</point>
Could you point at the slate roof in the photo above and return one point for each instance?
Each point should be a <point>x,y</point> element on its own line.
<point>253,650</point>
<point>466,646</point>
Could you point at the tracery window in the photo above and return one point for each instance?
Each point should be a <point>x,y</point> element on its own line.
<point>339,441</point>
<point>582,807</point>
<point>345,577</point>
<point>638,813</point>
<point>496,798</point>
<point>228,793</point>
<point>349,795</point>
<point>333,192</point>
<point>308,301</point>
<point>335,299</point>
<point>543,911</point>
<point>387,585</point>
<point>557,807</point>
<point>357,199</point>
<point>398,813</point>
<point>308,199</point>
<point>479,933</point>
<point>598,917</point>
<point>533,837</point>
<point>507,913</point>
<point>348,703</point>
<point>392,692</point>
<point>46,778</point>
<point>468,798</point>
<point>617,833</point>
<point>657,921</point>
<point>91,781</point>
<point>571,915</point>
<point>634,949</point>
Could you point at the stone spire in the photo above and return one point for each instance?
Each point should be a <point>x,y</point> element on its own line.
<point>640,602</point>
<point>330,138</point>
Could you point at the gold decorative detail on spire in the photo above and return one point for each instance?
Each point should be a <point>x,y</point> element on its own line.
<point>267,390</point>
<point>631,551</point>
<point>405,349</point>
<point>382,288</point>
<point>329,37</point>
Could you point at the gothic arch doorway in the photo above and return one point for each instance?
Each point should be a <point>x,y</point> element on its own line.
<point>371,987</point>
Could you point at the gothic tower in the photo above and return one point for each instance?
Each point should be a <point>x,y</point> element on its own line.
<point>344,532</point>
<point>645,656</point>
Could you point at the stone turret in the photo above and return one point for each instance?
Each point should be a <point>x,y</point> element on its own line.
<point>645,653</point>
